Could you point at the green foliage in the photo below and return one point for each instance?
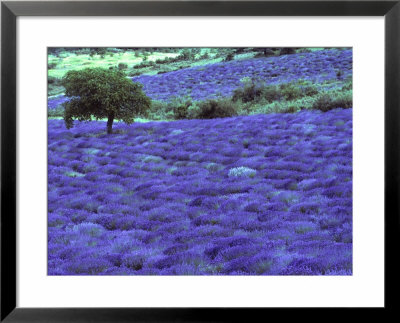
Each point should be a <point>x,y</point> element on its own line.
<point>122,66</point>
<point>54,85</point>
<point>290,91</point>
<point>229,57</point>
<point>264,52</point>
<point>291,108</point>
<point>287,51</point>
<point>101,51</point>
<point>332,100</point>
<point>180,107</point>
<point>185,108</point>
<point>220,108</point>
<point>348,85</point>
<point>250,91</point>
<point>53,80</point>
<point>186,54</point>
<point>145,64</point>
<point>101,93</point>
<point>57,112</point>
<point>271,93</point>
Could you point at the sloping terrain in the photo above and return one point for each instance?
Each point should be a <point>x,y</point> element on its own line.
<point>249,195</point>
<point>220,79</point>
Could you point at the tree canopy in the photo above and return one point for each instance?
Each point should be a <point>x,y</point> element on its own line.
<point>99,93</point>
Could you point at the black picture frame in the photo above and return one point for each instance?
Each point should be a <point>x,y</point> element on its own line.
<point>10,10</point>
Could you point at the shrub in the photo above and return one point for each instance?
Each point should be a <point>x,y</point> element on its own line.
<point>145,64</point>
<point>252,91</point>
<point>348,86</point>
<point>344,100</point>
<point>249,92</point>
<point>122,66</point>
<point>287,51</point>
<point>161,110</point>
<point>271,93</point>
<point>296,90</point>
<point>268,52</point>
<point>264,52</point>
<point>180,107</point>
<point>53,80</point>
<point>290,91</point>
<point>221,108</point>
<point>229,57</point>
<point>333,100</point>
<point>290,108</point>
<point>310,90</point>
<point>186,54</point>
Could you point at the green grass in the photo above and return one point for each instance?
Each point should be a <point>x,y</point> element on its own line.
<point>70,61</point>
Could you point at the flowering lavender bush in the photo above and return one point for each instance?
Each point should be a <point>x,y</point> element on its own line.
<point>247,195</point>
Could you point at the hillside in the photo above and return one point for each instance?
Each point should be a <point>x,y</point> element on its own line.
<point>220,79</point>
<point>325,70</point>
<point>252,177</point>
<point>250,195</point>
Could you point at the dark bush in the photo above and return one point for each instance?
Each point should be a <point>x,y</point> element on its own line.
<point>180,108</point>
<point>271,93</point>
<point>291,108</point>
<point>229,57</point>
<point>250,91</point>
<point>310,90</point>
<point>145,64</point>
<point>291,91</point>
<point>53,80</point>
<point>255,92</point>
<point>221,108</point>
<point>186,54</point>
<point>265,52</point>
<point>287,51</point>
<point>122,66</point>
<point>329,101</point>
<point>348,86</point>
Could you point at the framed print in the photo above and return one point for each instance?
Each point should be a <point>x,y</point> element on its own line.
<point>194,155</point>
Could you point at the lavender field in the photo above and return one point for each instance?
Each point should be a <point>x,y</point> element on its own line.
<point>221,79</point>
<point>248,194</point>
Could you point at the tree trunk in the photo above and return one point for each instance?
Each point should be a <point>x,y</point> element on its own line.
<point>109,123</point>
